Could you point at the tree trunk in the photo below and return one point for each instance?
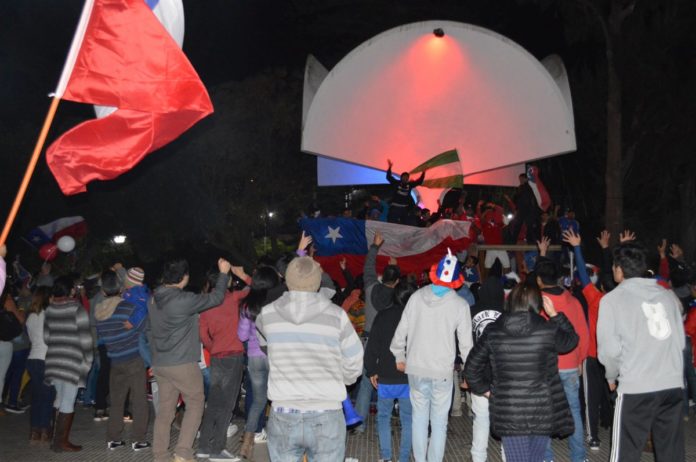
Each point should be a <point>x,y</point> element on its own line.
<point>614,173</point>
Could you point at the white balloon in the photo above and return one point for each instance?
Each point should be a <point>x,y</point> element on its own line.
<point>66,244</point>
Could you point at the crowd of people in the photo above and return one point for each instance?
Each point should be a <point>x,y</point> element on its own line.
<point>542,353</point>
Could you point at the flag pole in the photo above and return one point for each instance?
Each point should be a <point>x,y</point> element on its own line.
<point>30,169</point>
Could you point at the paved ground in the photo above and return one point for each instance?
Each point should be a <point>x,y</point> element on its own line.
<point>14,432</point>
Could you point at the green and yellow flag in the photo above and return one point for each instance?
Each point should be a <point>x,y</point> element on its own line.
<point>444,171</point>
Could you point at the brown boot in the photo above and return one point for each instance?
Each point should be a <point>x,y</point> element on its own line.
<point>34,436</point>
<point>247,450</point>
<point>62,434</point>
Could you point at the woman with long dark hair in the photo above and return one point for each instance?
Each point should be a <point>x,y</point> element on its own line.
<point>265,279</point>
<point>41,394</point>
<point>515,365</point>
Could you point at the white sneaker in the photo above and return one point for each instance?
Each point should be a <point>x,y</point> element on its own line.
<point>224,456</point>
<point>232,430</point>
<point>261,437</point>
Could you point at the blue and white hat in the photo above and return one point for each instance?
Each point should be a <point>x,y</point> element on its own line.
<point>447,273</point>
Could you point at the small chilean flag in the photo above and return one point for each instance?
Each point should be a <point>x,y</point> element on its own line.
<point>415,249</point>
<point>51,232</point>
<point>122,56</point>
<point>540,193</point>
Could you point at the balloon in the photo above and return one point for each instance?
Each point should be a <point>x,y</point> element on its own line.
<point>48,251</point>
<point>66,244</point>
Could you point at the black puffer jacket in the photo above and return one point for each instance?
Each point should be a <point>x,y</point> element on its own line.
<point>527,396</point>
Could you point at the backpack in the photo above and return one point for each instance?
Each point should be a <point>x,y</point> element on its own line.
<point>9,326</point>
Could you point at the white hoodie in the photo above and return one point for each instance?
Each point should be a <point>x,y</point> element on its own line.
<point>424,338</point>
<point>313,351</point>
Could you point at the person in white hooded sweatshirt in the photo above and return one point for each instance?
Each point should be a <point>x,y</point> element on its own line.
<point>424,348</point>
<point>313,353</point>
<point>640,342</point>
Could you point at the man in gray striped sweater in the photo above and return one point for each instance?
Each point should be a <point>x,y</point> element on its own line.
<point>313,353</point>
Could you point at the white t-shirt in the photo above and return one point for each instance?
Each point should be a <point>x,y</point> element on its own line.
<point>35,329</point>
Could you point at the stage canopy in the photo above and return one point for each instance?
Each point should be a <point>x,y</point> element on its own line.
<point>407,95</point>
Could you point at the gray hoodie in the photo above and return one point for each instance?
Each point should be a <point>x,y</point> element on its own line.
<point>640,337</point>
<point>173,316</point>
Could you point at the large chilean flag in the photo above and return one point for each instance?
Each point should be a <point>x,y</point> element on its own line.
<point>415,249</point>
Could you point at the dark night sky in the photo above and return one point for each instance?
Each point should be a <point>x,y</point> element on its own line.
<point>235,45</point>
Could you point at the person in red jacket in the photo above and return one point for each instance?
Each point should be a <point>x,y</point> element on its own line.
<point>218,331</point>
<point>570,364</point>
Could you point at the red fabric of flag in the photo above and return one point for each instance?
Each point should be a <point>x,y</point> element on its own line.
<point>127,60</point>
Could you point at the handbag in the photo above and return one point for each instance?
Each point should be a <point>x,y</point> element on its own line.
<point>10,326</point>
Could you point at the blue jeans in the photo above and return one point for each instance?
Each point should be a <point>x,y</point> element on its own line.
<point>144,350</point>
<point>482,423</point>
<point>257,368</point>
<point>90,394</point>
<point>41,395</point>
<point>384,413</point>
<point>320,435</point>
<point>431,400</point>
<point>13,380</point>
<point>363,400</point>
<point>576,443</point>
<point>524,448</point>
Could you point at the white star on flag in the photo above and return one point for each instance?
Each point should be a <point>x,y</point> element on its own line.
<point>334,233</point>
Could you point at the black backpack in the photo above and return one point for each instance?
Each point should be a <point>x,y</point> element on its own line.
<point>10,326</point>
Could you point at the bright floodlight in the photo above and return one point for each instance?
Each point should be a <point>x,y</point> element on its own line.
<point>270,214</point>
<point>119,239</point>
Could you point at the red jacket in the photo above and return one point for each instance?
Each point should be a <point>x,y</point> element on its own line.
<point>593,296</point>
<point>565,303</point>
<point>218,326</point>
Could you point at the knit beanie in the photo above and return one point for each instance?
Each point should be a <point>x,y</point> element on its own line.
<point>447,273</point>
<point>134,277</point>
<point>303,275</point>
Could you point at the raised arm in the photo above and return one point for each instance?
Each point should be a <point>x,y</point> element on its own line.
<point>574,240</point>
<point>370,269</point>
<point>390,177</point>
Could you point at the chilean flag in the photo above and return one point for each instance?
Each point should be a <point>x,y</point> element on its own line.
<point>50,232</point>
<point>123,57</point>
<point>415,249</point>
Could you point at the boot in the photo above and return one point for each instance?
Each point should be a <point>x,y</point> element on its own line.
<point>62,434</point>
<point>34,436</point>
<point>247,450</point>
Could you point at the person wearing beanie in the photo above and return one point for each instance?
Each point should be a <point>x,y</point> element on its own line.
<point>313,354</point>
<point>137,293</point>
<point>433,312</point>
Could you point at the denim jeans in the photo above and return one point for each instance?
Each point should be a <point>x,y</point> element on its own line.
<point>90,393</point>
<point>257,368</point>
<point>15,372</point>
<point>689,375</point>
<point>320,435</point>
<point>524,448</point>
<point>384,414</point>
<point>363,400</point>
<point>576,443</point>
<point>225,380</point>
<point>41,395</point>
<point>5,360</point>
<point>431,400</point>
<point>65,396</point>
<point>481,429</point>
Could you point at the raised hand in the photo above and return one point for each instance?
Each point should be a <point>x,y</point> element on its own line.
<point>627,236</point>
<point>548,306</point>
<point>662,248</point>
<point>378,239</point>
<point>571,238</point>
<point>342,263</point>
<point>224,266</point>
<point>305,240</point>
<point>543,245</point>
<point>603,239</point>
<point>392,261</point>
<point>390,163</point>
<point>3,251</point>
<point>239,272</point>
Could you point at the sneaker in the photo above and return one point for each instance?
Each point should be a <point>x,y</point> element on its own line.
<point>100,415</point>
<point>14,409</point>
<point>202,453</point>
<point>261,437</point>
<point>232,430</point>
<point>23,406</point>
<point>115,444</point>
<point>594,444</point>
<point>224,456</point>
<point>127,418</point>
<point>141,446</point>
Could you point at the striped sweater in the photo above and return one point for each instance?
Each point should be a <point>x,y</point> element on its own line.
<point>313,351</point>
<point>121,344</point>
<point>68,341</point>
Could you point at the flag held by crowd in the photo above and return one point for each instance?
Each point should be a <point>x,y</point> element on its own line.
<point>75,227</point>
<point>444,171</point>
<point>122,56</point>
<point>416,249</point>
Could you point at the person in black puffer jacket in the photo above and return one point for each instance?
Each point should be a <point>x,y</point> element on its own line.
<point>515,365</point>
